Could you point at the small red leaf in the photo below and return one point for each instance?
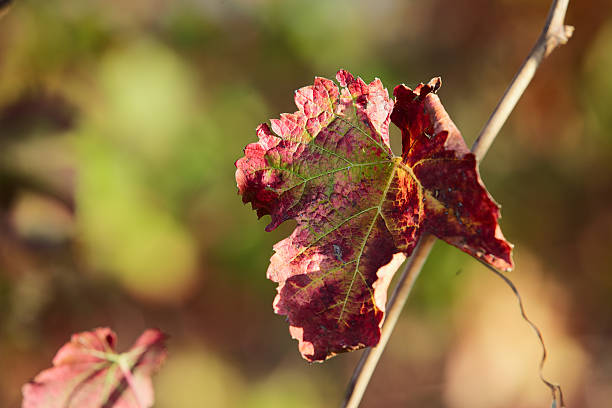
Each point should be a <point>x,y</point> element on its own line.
<point>88,373</point>
<point>358,208</point>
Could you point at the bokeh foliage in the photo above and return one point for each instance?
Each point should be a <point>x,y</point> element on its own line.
<point>119,126</point>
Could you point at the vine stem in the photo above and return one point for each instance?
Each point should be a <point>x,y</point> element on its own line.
<point>554,33</point>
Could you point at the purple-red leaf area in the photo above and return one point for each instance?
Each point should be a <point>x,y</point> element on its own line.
<point>326,166</point>
<point>458,208</point>
<point>88,373</point>
<point>357,207</point>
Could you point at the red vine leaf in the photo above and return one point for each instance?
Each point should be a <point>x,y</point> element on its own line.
<point>358,208</point>
<point>88,373</point>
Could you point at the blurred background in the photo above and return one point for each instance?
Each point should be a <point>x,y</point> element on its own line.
<point>119,126</point>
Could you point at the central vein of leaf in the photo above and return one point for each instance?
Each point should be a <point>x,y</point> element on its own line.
<point>366,238</point>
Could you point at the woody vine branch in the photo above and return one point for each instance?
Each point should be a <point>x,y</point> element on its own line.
<point>554,34</point>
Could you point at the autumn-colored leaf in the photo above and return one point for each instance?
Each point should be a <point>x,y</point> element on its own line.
<point>358,207</point>
<point>88,373</point>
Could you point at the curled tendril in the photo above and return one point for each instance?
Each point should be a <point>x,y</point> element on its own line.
<point>557,393</point>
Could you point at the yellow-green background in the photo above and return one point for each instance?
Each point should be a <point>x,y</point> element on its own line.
<point>120,122</point>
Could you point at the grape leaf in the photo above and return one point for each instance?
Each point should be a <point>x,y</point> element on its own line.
<point>88,373</point>
<point>359,209</point>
